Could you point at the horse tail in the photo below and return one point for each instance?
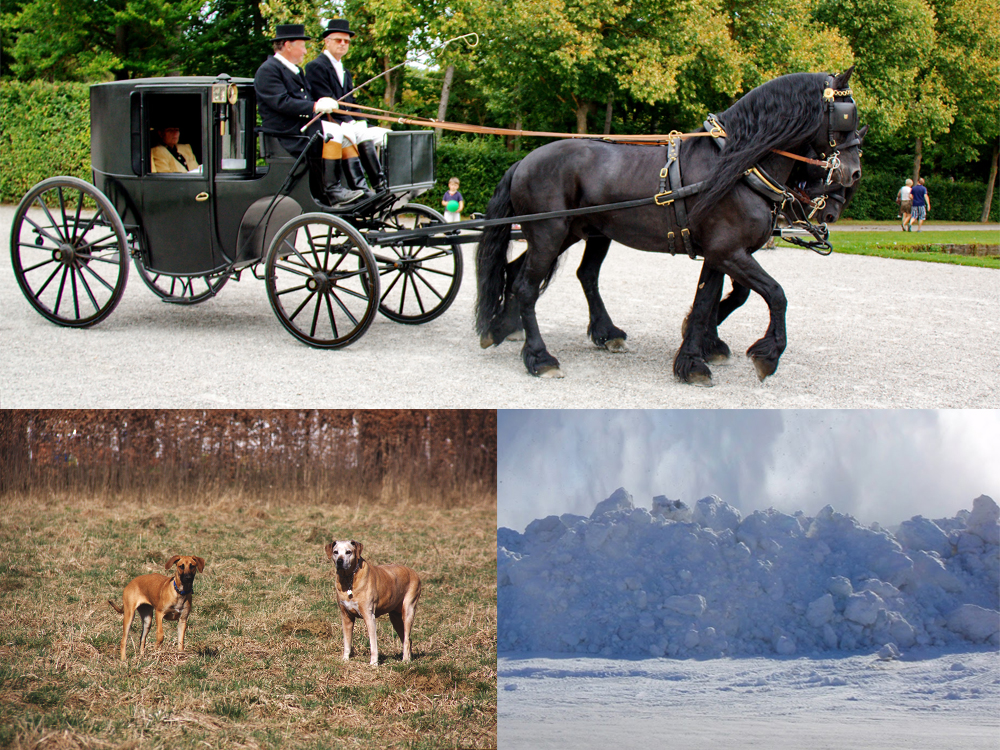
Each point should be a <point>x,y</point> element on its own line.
<point>491,256</point>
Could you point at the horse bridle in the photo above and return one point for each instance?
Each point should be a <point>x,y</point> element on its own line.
<point>842,117</point>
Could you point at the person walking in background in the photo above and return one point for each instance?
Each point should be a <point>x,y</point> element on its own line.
<point>453,202</point>
<point>905,203</point>
<point>921,204</point>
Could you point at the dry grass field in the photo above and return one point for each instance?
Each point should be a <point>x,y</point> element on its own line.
<point>262,665</point>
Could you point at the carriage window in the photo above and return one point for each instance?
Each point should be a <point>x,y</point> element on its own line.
<point>174,134</point>
<point>231,133</point>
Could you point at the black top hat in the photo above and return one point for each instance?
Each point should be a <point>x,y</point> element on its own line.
<point>290,32</point>
<point>338,24</point>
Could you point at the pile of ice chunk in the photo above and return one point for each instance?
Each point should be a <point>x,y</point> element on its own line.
<point>703,581</point>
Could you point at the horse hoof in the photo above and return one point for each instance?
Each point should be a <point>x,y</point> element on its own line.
<point>700,379</point>
<point>718,358</point>
<point>486,341</point>
<point>763,368</point>
<point>617,346</point>
<point>550,372</point>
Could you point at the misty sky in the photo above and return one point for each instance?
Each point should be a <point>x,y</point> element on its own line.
<point>877,465</point>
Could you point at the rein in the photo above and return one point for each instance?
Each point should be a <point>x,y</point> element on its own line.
<point>716,131</point>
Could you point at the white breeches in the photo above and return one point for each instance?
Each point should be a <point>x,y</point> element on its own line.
<point>352,133</point>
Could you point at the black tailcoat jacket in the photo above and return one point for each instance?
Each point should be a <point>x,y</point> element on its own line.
<point>284,100</point>
<point>323,81</point>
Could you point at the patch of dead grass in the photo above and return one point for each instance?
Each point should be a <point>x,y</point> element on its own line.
<point>263,662</point>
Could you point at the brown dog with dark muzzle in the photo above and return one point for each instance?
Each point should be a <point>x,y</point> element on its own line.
<point>169,598</point>
<point>369,591</point>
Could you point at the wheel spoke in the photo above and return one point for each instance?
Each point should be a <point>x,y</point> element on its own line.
<point>51,276</point>
<point>342,306</point>
<point>427,284</point>
<point>76,217</point>
<point>42,231</point>
<point>86,286</point>
<point>97,276</point>
<point>291,269</point>
<point>351,292</point>
<point>54,223</point>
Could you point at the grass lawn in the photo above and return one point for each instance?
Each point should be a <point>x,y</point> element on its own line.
<point>262,665</point>
<point>917,245</point>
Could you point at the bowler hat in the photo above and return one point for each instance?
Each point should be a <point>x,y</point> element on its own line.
<point>290,32</point>
<point>338,24</point>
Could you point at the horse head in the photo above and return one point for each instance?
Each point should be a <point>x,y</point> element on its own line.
<point>828,199</point>
<point>838,139</point>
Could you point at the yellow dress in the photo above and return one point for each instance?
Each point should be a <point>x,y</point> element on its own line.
<point>164,161</point>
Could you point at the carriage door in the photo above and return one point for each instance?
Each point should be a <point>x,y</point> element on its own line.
<point>176,188</point>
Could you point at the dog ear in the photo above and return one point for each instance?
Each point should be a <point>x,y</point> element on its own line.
<point>358,546</point>
<point>171,561</point>
<point>200,563</point>
<point>329,550</point>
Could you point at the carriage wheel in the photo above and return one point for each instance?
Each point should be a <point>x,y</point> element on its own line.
<point>179,290</point>
<point>419,281</point>
<point>69,252</point>
<point>322,281</point>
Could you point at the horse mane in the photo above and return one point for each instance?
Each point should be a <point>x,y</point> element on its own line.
<point>781,113</point>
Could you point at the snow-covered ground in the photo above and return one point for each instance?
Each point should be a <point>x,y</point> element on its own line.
<point>695,627</point>
<point>938,699</point>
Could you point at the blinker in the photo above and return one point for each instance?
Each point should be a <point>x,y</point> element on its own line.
<point>843,117</point>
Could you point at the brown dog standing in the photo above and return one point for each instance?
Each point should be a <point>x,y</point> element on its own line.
<point>370,591</point>
<point>169,598</point>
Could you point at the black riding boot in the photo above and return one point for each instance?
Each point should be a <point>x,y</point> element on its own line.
<point>373,168</point>
<point>355,177</point>
<point>336,193</point>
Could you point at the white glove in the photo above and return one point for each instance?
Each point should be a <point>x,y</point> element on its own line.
<point>326,105</point>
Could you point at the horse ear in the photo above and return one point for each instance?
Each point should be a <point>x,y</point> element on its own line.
<point>844,77</point>
<point>862,131</point>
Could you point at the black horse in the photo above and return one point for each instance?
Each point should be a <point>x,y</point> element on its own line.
<point>814,199</point>
<point>727,223</point>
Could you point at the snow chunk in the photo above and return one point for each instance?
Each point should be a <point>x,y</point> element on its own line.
<point>620,500</point>
<point>888,652</point>
<point>693,605</point>
<point>820,611</point>
<point>975,623</point>
<point>713,513</point>
<point>922,533</point>
<point>672,510</point>
<point>863,608</point>
<point>984,521</point>
<point>544,530</point>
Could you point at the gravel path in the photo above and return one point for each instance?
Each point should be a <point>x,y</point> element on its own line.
<point>862,333</point>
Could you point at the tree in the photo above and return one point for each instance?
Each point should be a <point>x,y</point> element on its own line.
<point>559,63</point>
<point>79,40</point>
<point>897,85</point>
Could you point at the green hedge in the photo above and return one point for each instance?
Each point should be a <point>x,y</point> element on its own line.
<point>44,132</point>
<point>479,164</point>
<point>875,199</point>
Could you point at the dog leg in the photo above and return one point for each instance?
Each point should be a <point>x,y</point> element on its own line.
<point>181,629</point>
<point>347,625</point>
<point>396,618</point>
<point>369,616</point>
<point>409,612</point>
<point>126,625</point>
<point>159,629</point>
<point>147,622</point>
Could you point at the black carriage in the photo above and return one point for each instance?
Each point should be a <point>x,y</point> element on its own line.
<point>249,207</point>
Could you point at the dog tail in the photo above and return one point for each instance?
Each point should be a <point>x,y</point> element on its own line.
<point>115,607</point>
